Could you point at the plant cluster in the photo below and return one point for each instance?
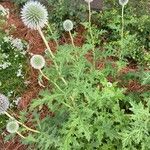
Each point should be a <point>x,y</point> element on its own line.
<point>13,62</point>
<point>90,111</point>
<point>136,35</point>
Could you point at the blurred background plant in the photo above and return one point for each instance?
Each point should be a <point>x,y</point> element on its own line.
<point>13,64</point>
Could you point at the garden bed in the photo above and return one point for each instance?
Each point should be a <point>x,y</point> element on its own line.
<point>128,77</point>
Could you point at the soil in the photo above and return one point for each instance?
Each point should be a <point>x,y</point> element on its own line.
<point>36,46</point>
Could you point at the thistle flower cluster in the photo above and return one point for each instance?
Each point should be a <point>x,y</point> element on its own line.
<point>123,2</point>
<point>12,126</point>
<point>37,61</point>
<point>4,104</point>
<point>34,15</point>
<point>68,25</point>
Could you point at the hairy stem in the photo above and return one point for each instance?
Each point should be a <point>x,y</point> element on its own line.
<point>71,37</point>
<point>20,135</point>
<point>43,74</point>
<point>46,43</point>
<point>91,34</point>
<point>122,30</point>
<point>52,55</point>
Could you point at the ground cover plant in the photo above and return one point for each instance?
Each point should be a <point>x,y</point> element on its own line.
<point>84,89</point>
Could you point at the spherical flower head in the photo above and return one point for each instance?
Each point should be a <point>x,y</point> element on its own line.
<point>4,104</point>
<point>123,2</point>
<point>12,126</point>
<point>68,25</point>
<point>34,15</point>
<point>37,61</point>
<point>89,1</point>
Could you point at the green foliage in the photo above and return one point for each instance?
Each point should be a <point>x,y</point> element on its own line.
<point>62,9</point>
<point>19,2</point>
<point>136,38</point>
<point>89,112</point>
<point>12,65</point>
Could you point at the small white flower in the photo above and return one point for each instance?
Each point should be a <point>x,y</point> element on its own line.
<point>4,104</point>
<point>109,84</point>
<point>123,2</point>
<point>34,15</point>
<point>12,126</point>
<point>89,1</point>
<point>68,25</point>
<point>19,73</point>
<point>37,61</point>
<point>17,43</point>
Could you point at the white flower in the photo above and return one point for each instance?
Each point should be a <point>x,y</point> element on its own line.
<point>89,1</point>
<point>123,2</point>
<point>34,15</point>
<point>12,126</point>
<point>109,84</point>
<point>37,61</point>
<point>4,104</point>
<point>17,43</point>
<point>68,25</point>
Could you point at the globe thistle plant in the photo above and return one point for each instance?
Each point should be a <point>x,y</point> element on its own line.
<point>34,15</point>
<point>12,126</point>
<point>68,26</point>
<point>4,104</point>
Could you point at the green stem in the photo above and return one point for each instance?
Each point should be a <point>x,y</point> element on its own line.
<point>11,117</point>
<point>71,37</point>
<point>89,6</point>
<point>91,34</point>
<point>20,135</point>
<point>52,55</point>
<point>122,31</point>
<point>46,43</point>
<point>43,74</point>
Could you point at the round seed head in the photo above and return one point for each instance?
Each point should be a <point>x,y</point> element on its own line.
<point>37,61</point>
<point>123,2</point>
<point>89,1</point>
<point>4,104</point>
<point>68,25</point>
<point>34,15</point>
<point>12,126</point>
